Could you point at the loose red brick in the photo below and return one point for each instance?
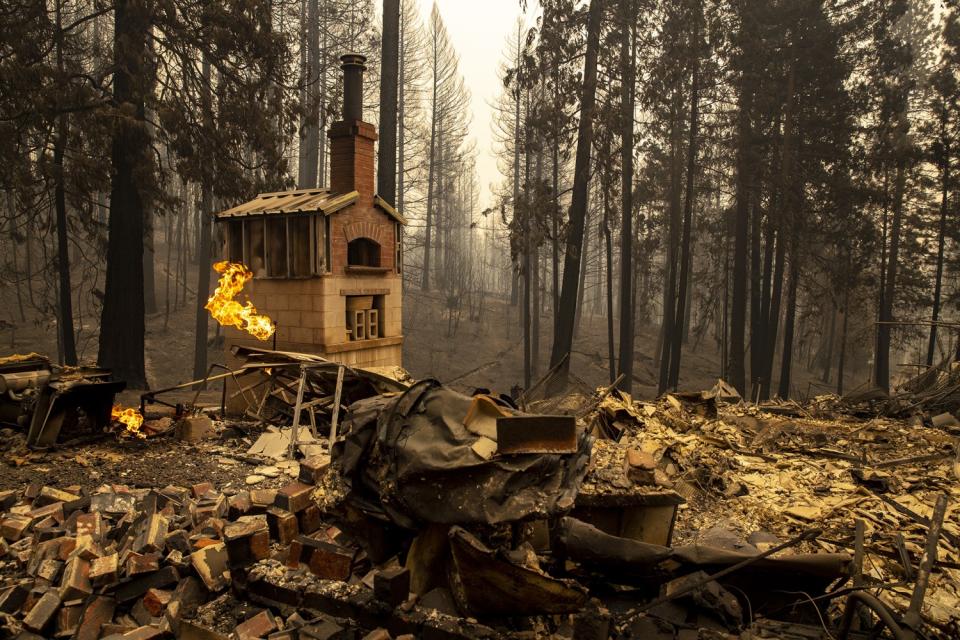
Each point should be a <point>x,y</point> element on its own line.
<point>257,626</point>
<point>283,525</point>
<point>294,497</point>
<point>41,615</point>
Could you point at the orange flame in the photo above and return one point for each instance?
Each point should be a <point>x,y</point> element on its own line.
<point>129,418</point>
<point>228,311</point>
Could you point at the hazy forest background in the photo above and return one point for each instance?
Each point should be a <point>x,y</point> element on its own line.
<point>760,190</point>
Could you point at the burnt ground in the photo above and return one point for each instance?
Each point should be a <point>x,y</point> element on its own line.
<point>484,351</point>
<point>151,463</point>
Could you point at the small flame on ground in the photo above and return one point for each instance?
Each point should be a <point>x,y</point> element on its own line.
<point>129,418</point>
<point>228,311</point>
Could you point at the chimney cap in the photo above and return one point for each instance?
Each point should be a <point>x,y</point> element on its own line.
<point>353,59</point>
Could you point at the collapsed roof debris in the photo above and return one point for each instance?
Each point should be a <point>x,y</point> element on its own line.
<point>439,514</point>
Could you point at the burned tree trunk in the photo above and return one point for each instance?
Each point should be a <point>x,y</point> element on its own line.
<point>786,360</point>
<point>563,341</point>
<point>628,58</point>
<point>735,372</point>
<point>881,371</point>
<point>122,321</point>
<point>65,308</point>
<point>203,257</point>
<point>677,336</point>
<point>941,234</point>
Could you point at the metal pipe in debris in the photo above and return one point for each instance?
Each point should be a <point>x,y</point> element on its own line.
<point>336,407</point>
<point>295,431</point>
<point>809,534</point>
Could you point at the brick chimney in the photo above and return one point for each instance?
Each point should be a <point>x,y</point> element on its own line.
<point>351,139</point>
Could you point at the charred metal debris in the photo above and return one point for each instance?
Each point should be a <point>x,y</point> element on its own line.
<point>418,511</point>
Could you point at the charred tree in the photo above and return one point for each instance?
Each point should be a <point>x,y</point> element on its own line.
<point>122,320</point>
<point>628,61</point>
<point>563,340</point>
<point>685,257</point>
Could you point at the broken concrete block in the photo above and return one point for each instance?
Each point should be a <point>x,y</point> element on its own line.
<point>140,614</point>
<point>42,612</point>
<point>392,585</point>
<point>256,626</point>
<point>210,564</point>
<point>189,593</point>
<point>592,623</point>
<point>87,548</point>
<point>282,525</point>
<point>294,497</point>
<point>377,634</point>
<point>536,434</point>
<point>313,468</point>
<point>484,447</point>
<point>193,428</point>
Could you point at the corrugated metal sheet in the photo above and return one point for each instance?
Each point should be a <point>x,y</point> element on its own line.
<point>303,201</point>
<point>297,201</point>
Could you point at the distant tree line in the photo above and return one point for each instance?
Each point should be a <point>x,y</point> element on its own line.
<point>775,177</point>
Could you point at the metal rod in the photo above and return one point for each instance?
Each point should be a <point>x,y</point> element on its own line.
<point>859,528</point>
<point>336,408</point>
<point>809,534</point>
<point>875,605</point>
<point>296,412</point>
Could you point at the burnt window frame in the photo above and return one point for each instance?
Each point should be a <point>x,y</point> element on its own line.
<point>318,236</point>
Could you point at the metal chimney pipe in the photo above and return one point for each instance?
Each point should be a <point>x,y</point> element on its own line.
<point>353,66</point>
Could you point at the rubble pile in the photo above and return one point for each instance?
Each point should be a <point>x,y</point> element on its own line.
<point>406,509</point>
<point>745,470</point>
<point>146,563</point>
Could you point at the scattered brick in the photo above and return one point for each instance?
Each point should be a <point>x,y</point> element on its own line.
<point>256,626</point>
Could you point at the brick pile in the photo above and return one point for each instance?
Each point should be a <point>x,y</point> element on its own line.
<point>138,563</point>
